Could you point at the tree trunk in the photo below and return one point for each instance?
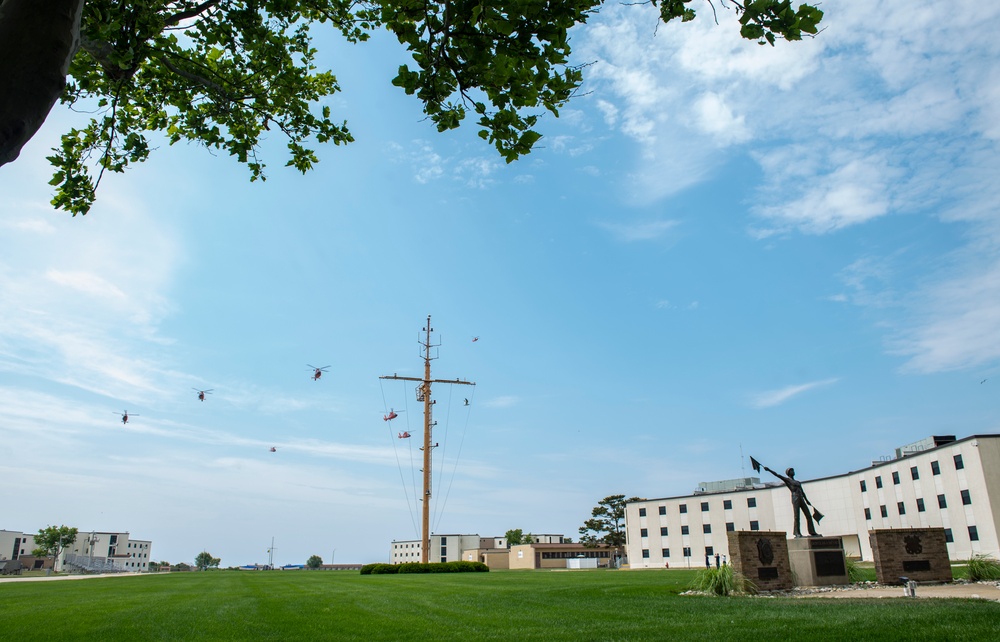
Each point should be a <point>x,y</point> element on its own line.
<point>38,39</point>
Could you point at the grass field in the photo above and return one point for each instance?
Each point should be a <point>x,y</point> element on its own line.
<point>595,605</point>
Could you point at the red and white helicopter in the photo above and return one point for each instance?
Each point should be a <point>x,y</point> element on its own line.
<point>202,393</point>
<point>273,449</point>
<point>318,372</point>
<point>403,435</point>
<point>125,416</point>
<point>392,415</point>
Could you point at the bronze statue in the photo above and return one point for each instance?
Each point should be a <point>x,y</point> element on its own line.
<point>800,503</point>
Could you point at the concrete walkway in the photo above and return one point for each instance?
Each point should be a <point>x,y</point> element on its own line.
<point>977,590</point>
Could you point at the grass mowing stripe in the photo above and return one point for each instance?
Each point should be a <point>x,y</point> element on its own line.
<point>598,605</point>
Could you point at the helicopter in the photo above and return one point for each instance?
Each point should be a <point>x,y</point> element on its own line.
<point>317,372</point>
<point>392,415</point>
<point>202,393</point>
<point>273,449</point>
<point>403,435</point>
<point>474,339</point>
<point>125,416</point>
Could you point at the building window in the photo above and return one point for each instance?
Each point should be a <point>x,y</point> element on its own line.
<point>941,502</point>
<point>704,507</point>
<point>444,550</point>
<point>754,526</point>
<point>709,550</point>
<point>948,538</point>
<point>935,468</point>
<point>643,532</point>
<point>959,464</point>
<point>663,531</point>
<point>895,478</point>
<point>727,504</point>
<point>868,513</point>
<point>645,553</point>
<point>684,508</point>
<point>966,498</point>
<point>684,530</point>
<point>864,486</point>
<point>642,512</point>
<point>973,534</point>
<point>914,473</point>
<point>920,505</point>
<point>730,527</point>
<point>444,540</point>
<point>751,502</point>
<point>666,552</point>
<point>687,551</point>
<point>901,507</point>
<point>663,510</point>
<point>878,481</point>
<point>706,528</point>
<point>884,512</point>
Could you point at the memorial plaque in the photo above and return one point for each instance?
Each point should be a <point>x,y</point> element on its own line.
<point>829,563</point>
<point>920,554</point>
<point>767,573</point>
<point>915,566</point>
<point>827,542</point>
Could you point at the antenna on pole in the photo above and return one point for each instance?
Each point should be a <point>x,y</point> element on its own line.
<point>424,395</point>
<point>743,468</point>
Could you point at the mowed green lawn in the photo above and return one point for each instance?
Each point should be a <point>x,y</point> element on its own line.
<point>512,605</point>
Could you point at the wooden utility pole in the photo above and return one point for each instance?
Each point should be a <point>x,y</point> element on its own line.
<point>424,394</point>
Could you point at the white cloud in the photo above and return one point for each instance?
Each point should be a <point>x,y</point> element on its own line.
<point>777,397</point>
<point>503,401</point>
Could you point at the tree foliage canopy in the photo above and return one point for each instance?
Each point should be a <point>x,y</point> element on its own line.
<point>204,561</point>
<point>222,73</point>
<point>606,524</point>
<point>52,539</point>
<point>314,562</point>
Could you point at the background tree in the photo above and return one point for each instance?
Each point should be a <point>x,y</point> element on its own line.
<point>221,73</point>
<point>314,562</point>
<point>607,522</point>
<point>204,560</point>
<point>51,541</point>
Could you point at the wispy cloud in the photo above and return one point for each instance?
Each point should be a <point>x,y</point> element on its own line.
<point>505,401</point>
<point>640,231</point>
<point>771,398</point>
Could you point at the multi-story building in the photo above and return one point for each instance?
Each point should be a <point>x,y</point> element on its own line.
<point>451,548</point>
<point>91,550</point>
<point>937,482</point>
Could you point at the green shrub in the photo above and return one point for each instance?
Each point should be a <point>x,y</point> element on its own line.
<point>982,567</point>
<point>723,581</point>
<point>417,567</point>
<point>379,569</point>
<point>854,572</point>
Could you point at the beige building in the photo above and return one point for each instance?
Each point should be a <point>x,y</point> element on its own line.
<point>936,482</point>
<point>90,551</point>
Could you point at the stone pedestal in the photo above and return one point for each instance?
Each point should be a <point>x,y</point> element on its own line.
<point>920,554</point>
<point>818,561</point>
<point>762,557</point>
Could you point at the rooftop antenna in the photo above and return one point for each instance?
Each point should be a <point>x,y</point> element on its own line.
<point>424,394</point>
<point>743,468</point>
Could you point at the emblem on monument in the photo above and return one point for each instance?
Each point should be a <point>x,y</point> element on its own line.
<point>913,545</point>
<point>764,552</point>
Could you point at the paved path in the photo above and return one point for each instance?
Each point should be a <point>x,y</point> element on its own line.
<point>980,590</point>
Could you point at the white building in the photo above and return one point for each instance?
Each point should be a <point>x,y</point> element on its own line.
<point>90,551</point>
<point>939,482</point>
<point>448,548</point>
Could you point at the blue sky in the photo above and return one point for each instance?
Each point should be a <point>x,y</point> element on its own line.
<point>790,251</point>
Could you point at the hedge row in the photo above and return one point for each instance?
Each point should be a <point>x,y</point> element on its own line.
<point>417,567</point>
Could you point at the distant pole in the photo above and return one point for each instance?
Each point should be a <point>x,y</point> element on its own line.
<point>425,390</point>
<point>270,556</point>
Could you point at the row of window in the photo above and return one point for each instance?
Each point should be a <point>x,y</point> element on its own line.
<point>727,504</point>
<point>915,473</point>
<point>665,552</point>
<point>901,507</point>
<point>705,528</point>
<point>553,555</point>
